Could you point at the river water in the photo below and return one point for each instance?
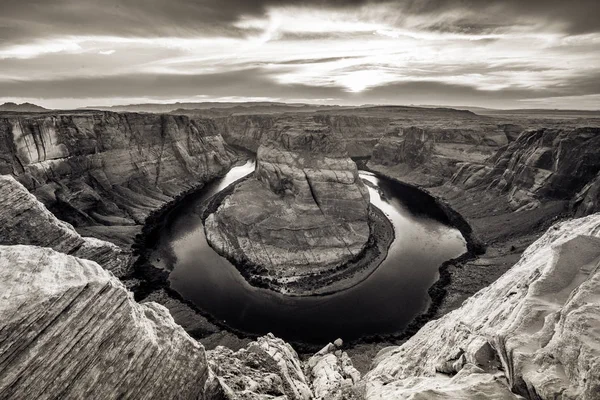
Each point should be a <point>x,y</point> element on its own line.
<point>384,303</point>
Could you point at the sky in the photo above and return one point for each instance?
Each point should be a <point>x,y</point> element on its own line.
<point>497,53</point>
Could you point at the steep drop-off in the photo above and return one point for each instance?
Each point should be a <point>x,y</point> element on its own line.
<point>304,212</point>
<point>105,172</point>
<point>69,329</point>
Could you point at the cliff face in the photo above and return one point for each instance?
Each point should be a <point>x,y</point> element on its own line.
<point>547,164</point>
<point>359,134</point>
<point>105,172</point>
<point>536,166</point>
<point>412,146</point>
<point>428,156</point>
<point>534,331</point>
<point>24,220</point>
<point>305,211</point>
<point>71,330</point>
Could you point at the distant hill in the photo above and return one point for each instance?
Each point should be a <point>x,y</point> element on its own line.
<point>215,107</point>
<point>25,107</point>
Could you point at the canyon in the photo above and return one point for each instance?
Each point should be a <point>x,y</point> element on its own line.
<point>518,314</point>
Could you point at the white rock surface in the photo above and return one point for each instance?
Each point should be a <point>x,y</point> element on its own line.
<point>70,330</point>
<point>265,369</point>
<point>535,331</point>
<point>332,374</point>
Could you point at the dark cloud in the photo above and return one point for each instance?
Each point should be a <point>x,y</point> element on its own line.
<point>578,16</point>
<point>22,20</point>
<point>248,82</point>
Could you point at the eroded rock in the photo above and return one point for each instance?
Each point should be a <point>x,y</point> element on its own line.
<point>534,331</point>
<point>266,368</point>
<point>304,212</point>
<point>69,329</point>
<point>24,220</point>
<point>104,172</point>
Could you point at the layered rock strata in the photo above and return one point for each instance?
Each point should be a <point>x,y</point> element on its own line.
<point>304,212</point>
<point>69,329</point>
<point>24,220</point>
<point>359,133</point>
<point>533,332</point>
<point>105,172</point>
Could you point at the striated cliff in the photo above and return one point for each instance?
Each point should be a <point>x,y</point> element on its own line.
<point>533,332</point>
<point>358,133</point>
<point>105,172</point>
<point>71,330</point>
<point>305,211</point>
<point>546,164</point>
<point>24,220</point>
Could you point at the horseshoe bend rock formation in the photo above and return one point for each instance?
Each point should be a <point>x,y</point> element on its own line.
<point>533,332</point>
<point>105,172</point>
<point>305,211</point>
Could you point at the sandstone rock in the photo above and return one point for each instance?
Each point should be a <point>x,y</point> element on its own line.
<point>547,164</point>
<point>412,146</point>
<point>305,211</point>
<point>24,220</point>
<point>332,375</point>
<point>359,133</point>
<point>587,201</point>
<point>534,331</point>
<point>97,169</point>
<point>266,368</point>
<point>69,329</point>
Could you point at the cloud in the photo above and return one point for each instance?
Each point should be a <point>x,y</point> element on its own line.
<point>26,19</point>
<point>352,50</point>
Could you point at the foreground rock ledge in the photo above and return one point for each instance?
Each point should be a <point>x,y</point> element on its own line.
<point>534,332</point>
<point>305,211</point>
<point>69,329</point>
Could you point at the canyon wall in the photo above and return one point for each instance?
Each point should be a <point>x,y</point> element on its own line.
<point>536,166</point>
<point>359,133</point>
<point>24,220</point>
<point>105,172</point>
<point>305,210</point>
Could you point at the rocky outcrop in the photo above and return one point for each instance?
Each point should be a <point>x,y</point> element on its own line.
<point>69,329</point>
<point>547,164</point>
<point>332,375</point>
<point>24,220</point>
<point>266,368</point>
<point>304,212</point>
<point>533,332</point>
<point>105,172</point>
<point>587,200</point>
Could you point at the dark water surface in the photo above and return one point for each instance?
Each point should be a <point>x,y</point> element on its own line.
<point>384,303</point>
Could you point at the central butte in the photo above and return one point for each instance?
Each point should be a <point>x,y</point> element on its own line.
<point>304,212</point>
